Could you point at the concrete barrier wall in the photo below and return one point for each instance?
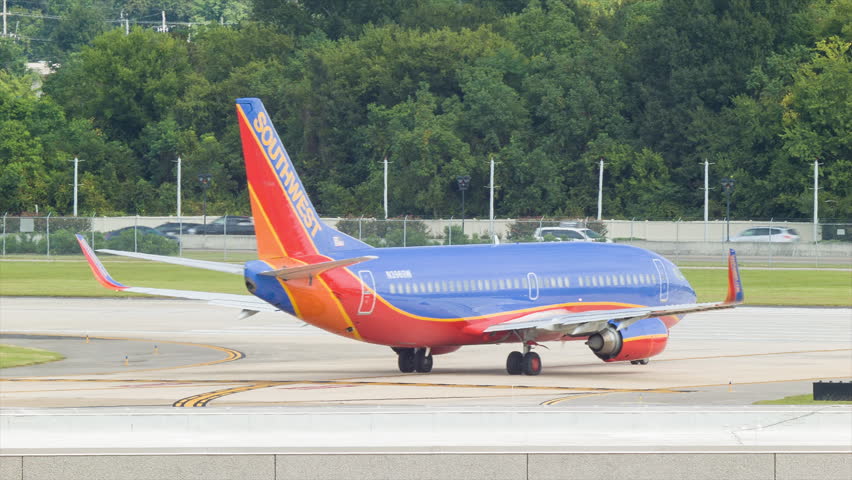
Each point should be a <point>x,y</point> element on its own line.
<point>467,466</point>
<point>649,442</point>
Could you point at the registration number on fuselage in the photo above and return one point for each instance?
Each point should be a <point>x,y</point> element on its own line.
<point>394,274</point>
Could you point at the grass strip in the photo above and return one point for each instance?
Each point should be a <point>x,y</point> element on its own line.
<point>14,356</point>
<point>74,279</point>
<point>777,287</point>
<point>807,399</point>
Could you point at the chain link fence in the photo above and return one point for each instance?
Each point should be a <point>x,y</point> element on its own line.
<point>233,235</point>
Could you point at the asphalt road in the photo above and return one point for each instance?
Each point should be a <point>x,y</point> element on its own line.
<point>144,352</point>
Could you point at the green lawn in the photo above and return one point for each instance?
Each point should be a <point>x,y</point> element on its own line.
<point>12,356</point>
<point>777,287</point>
<point>70,276</point>
<point>75,279</point>
<point>807,399</point>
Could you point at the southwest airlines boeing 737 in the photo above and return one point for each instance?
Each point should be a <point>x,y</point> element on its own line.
<point>425,301</point>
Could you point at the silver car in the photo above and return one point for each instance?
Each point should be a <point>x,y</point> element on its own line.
<point>767,234</point>
<point>569,234</point>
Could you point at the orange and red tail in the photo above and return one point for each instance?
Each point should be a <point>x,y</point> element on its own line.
<point>286,222</point>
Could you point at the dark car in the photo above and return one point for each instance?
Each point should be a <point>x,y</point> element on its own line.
<point>227,225</point>
<point>172,229</point>
<point>139,231</point>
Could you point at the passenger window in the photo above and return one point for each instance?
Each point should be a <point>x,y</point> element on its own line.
<point>525,283</point>
<point>580,281</point>
<point>559,282</point>
<point>501,284</point>
<point>567,282</point>
<point>479,285</point>
<point>392,288</point>
<point>429,287</point>
<point>621,280</point>
<point>407,288</point>
<point>516,283</point>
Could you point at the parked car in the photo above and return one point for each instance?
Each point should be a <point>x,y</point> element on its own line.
<point>173,228</point>
<point>229,224</point>
<point>767,234</point>
<point>569,234</point>
<point>140,230</point>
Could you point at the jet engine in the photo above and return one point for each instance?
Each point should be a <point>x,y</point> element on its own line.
<point>639,341</point>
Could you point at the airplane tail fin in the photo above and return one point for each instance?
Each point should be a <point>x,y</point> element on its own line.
<point>286,222</point>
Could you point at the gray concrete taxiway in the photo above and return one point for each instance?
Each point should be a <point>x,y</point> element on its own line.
<point>176,389</point>
<point>141,352</point>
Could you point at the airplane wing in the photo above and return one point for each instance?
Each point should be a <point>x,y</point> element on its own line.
<point>587,323</point>
<point>248,303</point>
<point>186,262</point>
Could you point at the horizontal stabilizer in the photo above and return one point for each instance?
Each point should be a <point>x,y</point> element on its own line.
<point>306,271</point>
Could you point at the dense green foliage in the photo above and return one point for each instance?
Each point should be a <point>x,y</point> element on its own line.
<point>545,87</point>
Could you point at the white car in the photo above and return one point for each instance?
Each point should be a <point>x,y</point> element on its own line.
<point>569,234</point>
<point>767,234</point>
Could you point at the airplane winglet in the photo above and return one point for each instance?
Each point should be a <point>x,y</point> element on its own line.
<point>101,274</point>
<point>735,284</point>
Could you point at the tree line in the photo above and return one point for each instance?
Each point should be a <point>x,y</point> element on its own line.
<point>547,88</point>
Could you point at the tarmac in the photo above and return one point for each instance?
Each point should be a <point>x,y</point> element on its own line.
<point>141,352</point>
<point>182,390</point>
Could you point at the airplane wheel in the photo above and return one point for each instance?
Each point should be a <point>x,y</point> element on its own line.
<point>513,363</point>
<point>422,362</point>
<point>406,360</point>
<point>644,361</point>
<point>531,364</point>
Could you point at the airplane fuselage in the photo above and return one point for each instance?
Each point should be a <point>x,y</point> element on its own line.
<point>427,296</point>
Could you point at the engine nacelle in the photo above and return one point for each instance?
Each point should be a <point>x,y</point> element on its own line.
<point>643,339</point>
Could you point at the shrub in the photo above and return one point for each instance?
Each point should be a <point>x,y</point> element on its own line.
<point>145,243</point>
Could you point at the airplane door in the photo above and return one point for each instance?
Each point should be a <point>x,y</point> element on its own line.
<point>368,292</point>
<point>532,279</point>
<point>664,280</point>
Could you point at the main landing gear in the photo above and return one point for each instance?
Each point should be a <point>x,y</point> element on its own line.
<point>528,363</point>
<point>414,359</point>
<point>644,361</point>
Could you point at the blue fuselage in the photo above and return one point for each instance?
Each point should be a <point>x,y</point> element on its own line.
<point>453,282</point>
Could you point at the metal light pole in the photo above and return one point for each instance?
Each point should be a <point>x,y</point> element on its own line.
<point>491,202</point>
<point>464,183</point>
<point>178,187</point>
<point>76,162</point>
<point>385,161</point>
<point>816,199</point>
<point>728,187</point>
<point>706,196</point>
<point>600,190</point>
<point>205,179</point>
